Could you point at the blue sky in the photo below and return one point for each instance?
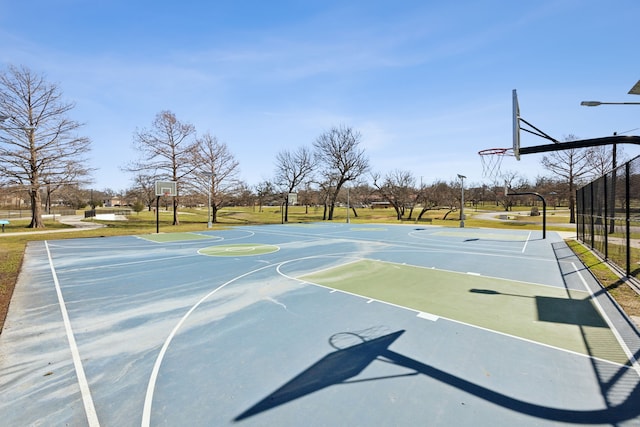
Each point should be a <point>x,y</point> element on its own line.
<point>427,83</point>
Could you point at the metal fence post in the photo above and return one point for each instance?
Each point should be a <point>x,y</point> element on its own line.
<point>627,195</point>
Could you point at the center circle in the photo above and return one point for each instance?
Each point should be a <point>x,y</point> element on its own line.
<point>239,249</point>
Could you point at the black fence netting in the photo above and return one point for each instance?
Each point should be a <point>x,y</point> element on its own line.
<point>608,216</point>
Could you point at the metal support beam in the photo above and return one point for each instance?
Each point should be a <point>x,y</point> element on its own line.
<point>582,143</point>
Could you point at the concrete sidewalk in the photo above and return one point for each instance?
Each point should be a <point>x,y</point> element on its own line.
<point>76,221</point>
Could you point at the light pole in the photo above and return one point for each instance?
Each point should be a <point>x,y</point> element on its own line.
<point>462,177</point>
<point>348,205</point>
<point>597,103</point>
<point>209,175</point>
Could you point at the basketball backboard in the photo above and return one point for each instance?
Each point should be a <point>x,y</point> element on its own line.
<point>635,90</point>
<point>166,188</point>
<point>516,125</point>
<point>522,125</point>
<point>292,199</point>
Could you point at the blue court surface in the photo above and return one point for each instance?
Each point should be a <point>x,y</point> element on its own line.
<point>316,325</point>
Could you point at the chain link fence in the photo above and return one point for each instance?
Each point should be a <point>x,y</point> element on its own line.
<point>608,217</point>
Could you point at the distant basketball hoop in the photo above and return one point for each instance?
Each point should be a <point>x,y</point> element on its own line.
<point>491,159</point>
<point>166,188</point>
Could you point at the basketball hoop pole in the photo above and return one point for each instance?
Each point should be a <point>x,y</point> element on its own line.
<point>157,214</point>
<point>347,205</point>
<point>209,216</point>
<point>544,207</point>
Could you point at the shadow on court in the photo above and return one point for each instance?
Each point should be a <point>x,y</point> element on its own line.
<point>340,366</point>
<point>579,312</point>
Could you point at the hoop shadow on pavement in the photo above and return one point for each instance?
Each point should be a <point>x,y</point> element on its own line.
<point>559,310</point>
<point>334,368</point>
<point>339,366</point>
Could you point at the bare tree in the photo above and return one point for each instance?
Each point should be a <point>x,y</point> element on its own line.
<point>38,142</point>
<point>603,159</point>
<point>358,195</point>
<point>264,190</point>
<point>326,189</point>
<point>571,165</point>
<point>513,183</point>
<point>217,173</point>
<point>144,189</point>
<point>167,149</point>
<point>292,170</point>
<point>398,188</point>
<point>73,173</point>
<point>342,160</point>
<point>243,195</point>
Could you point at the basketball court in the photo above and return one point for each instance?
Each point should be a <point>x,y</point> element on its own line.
<point>316,324</point>
<point>320,324</point>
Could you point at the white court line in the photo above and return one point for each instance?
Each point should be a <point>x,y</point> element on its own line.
<point>526,242</point>
<point>428,316</point>
<point>92,416</point>
<point>148,400</point>
<point>626,350</point>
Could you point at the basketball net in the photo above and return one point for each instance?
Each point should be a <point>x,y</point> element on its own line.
<point>491,159</point>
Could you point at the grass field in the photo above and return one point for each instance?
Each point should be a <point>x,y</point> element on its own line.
<point>17,234</point>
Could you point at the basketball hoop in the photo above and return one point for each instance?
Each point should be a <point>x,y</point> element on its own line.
<point>491,159</point>
<point>166,189</point>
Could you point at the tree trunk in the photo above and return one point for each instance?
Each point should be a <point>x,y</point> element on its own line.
<point>422,212</point>
<point>572,203</point>
<point>331,206</point>
<point>176,221</point>
<point>36,209</point>
<point>286,210</point>
<point>572,209</point>
<point>398,212</point>
<point>332,203</point>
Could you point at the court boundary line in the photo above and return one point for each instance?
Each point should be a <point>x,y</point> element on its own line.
<point>85,392</point>
<point>621,342</point>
